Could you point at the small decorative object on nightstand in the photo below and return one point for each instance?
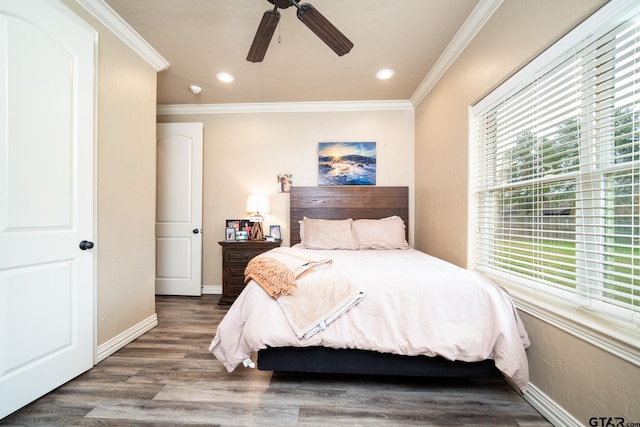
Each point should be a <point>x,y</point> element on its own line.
<point>235,257</point>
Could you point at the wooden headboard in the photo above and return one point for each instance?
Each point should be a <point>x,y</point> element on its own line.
<point>346,202</point>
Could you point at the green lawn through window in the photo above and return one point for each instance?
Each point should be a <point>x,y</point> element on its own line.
<point>554,262</point>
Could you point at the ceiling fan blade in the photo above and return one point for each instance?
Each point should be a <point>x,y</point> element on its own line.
<point>263,36</point>
<point>324,29</point>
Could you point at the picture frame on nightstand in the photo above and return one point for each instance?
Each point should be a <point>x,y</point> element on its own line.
<point>233,223</point>
<point>246,225</point>
<point>229,234</point>
<point>274,232</point>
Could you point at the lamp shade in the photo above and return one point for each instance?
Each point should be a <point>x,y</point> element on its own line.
<point>258,204</point>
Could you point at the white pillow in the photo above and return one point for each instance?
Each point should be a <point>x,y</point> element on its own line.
<point>386,233</point>
<point>327,234</point>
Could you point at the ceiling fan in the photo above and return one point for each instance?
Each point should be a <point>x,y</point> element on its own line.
<point>310,16</point>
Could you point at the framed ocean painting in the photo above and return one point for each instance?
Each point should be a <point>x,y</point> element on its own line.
<point>346,163</point>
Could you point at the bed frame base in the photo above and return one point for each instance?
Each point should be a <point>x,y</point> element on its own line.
<point>350,361</point>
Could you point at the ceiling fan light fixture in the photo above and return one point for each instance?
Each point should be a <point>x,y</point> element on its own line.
<point>263,36</point>
<point>225,77</point>
<point>385,74</point>
<point>324,29</point>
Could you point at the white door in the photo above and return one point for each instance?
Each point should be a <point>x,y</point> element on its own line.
<point>46,199</point>
<point>179,209</point>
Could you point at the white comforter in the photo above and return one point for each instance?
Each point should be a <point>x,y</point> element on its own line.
<point>414,304</point>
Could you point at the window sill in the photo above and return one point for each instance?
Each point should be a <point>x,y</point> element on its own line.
<point>612,335</point>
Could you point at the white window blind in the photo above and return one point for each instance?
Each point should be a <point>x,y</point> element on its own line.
<point>556,168</point>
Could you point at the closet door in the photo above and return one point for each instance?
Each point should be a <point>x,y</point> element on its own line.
<point>179,209</point>
<point>46,199</point>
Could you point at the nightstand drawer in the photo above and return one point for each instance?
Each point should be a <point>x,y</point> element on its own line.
<point>234,274</point>
<point>241,256</point>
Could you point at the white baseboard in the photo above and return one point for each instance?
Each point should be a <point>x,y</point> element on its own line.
<point>212,289</point>
<point>553,412</point>
<point>116,343</point>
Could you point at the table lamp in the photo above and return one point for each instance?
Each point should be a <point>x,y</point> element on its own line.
<point>257,205</point>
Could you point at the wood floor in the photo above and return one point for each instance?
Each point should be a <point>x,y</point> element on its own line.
<point>168,378</point>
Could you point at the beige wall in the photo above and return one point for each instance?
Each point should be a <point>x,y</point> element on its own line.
<point>125,239</point>
<point>244,153</point>
<point>585,380</point>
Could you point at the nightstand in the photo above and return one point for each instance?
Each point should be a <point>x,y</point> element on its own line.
<point>235,257</point>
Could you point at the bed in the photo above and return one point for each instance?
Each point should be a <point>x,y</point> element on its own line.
<point>414,315</point>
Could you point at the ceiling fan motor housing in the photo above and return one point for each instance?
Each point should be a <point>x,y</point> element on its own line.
<point>282,4</point>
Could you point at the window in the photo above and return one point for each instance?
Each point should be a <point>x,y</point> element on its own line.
<point>556,169</point>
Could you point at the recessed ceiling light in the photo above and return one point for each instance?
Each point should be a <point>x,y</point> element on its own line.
<point>195,89</point>
<point>387,73</point>
<point>225,77</point>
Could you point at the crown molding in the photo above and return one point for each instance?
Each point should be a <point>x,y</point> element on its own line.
<point>284,107</point>
<point>474,23</point>
<point>110,19</point>
<point>476,20</point>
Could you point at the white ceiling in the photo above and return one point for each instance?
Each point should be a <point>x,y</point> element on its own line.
<point>200,38</point>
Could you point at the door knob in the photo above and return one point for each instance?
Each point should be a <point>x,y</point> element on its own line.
<point>84,245</point>
<point>196,231</point>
